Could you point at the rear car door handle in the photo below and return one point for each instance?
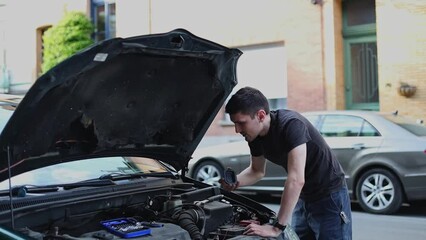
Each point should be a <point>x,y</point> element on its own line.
<point>358,146</point>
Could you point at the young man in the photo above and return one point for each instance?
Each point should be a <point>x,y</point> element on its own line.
<point>315,196</point>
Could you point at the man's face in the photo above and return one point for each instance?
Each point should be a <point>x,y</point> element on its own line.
<point>248,127</point>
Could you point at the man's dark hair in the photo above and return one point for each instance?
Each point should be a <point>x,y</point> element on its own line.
<point>248,101</point>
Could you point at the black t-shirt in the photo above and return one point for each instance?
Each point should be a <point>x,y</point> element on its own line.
<point>289,129</point>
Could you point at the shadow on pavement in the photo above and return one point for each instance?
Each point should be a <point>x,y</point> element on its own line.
<point>417,208</point>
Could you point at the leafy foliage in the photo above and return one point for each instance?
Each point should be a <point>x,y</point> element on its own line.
<point>70,35</point>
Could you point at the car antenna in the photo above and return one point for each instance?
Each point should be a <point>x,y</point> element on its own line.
<point>10,188</point>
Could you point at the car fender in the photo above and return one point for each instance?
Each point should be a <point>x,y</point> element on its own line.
<point>200,161</point>
<point>370,162</point>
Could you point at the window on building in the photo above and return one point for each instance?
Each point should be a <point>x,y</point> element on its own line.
<point>274,104</point>
<point>103,17</point>
<point>264,67</point>
<point>360,12</point>
<point>40,47</point>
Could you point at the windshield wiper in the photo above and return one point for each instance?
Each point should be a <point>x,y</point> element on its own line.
<point>121,176</point>
<point>88,183</point>
<point>104,180</point>
<point>22,190</point>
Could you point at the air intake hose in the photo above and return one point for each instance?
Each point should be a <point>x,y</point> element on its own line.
<point>188,220</point>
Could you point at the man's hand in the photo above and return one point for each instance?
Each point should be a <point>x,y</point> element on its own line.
<point>228,187</point>
<point>262,230</point>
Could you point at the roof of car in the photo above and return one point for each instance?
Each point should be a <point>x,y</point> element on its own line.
<point>383,124</point>
<point>10,101</point>
<point>348,112</point>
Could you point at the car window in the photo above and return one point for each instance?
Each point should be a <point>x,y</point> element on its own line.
<point>368,130</point>
<point>346,126</point>
<point>314,119</point>
<point>408,124</point>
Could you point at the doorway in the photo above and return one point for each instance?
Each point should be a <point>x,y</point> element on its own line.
<point>360,53</point>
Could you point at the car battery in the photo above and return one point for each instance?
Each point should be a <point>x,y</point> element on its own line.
<point>126,227</point>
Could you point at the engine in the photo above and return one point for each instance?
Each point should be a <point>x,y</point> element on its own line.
<point>203,214</point>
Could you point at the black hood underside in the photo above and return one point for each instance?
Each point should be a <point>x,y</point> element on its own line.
<point>152,96</point>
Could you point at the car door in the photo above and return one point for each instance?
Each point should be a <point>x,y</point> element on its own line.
<point>351,138</point>
<point>274,178</point>
<point>272,182</point>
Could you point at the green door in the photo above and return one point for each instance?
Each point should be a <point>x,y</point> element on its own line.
<point>361,78</point>
<point>360,54</point>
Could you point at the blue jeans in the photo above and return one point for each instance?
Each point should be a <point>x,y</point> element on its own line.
<point>324,219</point>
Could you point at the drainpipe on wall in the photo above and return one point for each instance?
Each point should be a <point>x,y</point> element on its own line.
<point>324,80</point>
<point>150,17</point>
<point>5,75</point>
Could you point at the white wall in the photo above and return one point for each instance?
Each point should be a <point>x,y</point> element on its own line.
<point>264,67</point>
<point>245,24</point>
<point>230,23</point>
<point>23,19</point>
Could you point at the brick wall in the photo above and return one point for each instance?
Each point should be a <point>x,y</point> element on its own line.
<point>401,46</point>
<point>303,31</point>
<point>312,35</point>
<point>313,41</point>
<point>299,25</point>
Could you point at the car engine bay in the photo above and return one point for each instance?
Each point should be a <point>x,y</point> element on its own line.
<point>180,211</point>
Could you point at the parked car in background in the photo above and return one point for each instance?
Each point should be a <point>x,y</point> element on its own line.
<point>8,103</point>
<point>383,156</point>
<point>209,163</point>
<point>4,117</point>
<point>94,149</point>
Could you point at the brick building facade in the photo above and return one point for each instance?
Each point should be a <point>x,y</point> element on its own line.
<point>317,41</point>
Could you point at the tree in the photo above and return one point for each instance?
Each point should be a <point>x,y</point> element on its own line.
<point>70,35</point>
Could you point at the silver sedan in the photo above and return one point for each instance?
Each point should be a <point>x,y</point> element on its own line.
<point>383,155</point>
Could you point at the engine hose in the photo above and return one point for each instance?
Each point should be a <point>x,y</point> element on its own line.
<point>187,220</point>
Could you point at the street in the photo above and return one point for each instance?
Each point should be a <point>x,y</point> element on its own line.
<point>408,223</point>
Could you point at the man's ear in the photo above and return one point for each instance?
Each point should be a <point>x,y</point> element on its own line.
<point>261,114</point>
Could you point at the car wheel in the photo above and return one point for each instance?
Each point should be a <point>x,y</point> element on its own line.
<point>379,191</point>
<point>208,172</point>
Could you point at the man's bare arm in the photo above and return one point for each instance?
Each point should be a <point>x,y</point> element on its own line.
<point>294,183</point>
<point>248,176</point>
<point>254,172</point>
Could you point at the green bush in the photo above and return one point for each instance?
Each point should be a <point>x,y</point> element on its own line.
<point>70,35</point>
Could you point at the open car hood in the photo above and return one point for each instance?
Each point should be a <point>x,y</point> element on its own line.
<point>152,96</point>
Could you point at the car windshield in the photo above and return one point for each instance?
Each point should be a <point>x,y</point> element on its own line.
<point>82,170</point>
<point>410,125</point>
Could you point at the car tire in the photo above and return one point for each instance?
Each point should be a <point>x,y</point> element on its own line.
<point>208,172</point>
<point>379,191</point>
